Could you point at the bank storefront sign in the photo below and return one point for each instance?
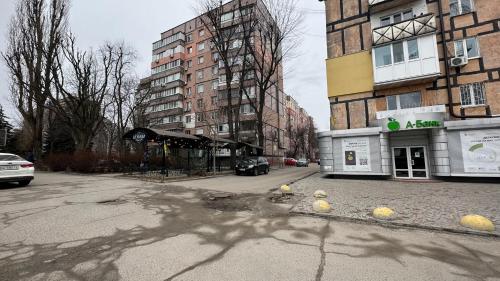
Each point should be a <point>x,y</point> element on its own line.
<point>412,119</point>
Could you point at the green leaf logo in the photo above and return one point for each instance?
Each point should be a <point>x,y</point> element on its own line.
<point>393,125</point>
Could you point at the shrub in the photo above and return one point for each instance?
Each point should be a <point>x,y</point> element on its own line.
<point>84,162</point>
<point>58,162</point>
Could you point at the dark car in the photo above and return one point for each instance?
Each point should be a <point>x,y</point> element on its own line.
<point>253,166</point>
<point>303,163</point>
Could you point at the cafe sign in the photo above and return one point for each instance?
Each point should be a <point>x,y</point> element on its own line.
<point>413,121</point>
<point>139,137</point>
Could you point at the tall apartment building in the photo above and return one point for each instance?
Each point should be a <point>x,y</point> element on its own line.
<point>414,88</point>
<point>298,123</point>
<point>186,88</point>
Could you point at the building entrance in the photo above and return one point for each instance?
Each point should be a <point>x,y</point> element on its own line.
<point>410,162</point>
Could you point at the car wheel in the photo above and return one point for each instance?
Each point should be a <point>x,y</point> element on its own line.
<point>24,183</point>
<point>256,171</point>
<point>266,171</point>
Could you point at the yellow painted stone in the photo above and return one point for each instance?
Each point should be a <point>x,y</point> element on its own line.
<point>383,213</point>
<point>321,206</point>
<point>477,222</point>
<point>286,189</point>
<point>320,194</point>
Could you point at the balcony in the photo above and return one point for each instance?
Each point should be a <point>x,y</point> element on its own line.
<point>417,26</point>
<point>406,62</point>
<point>379,5</point>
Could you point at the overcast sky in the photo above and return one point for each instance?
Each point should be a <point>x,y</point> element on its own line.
<point>139,23</point>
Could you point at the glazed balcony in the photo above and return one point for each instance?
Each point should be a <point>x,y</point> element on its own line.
<point>379,5</point>
<point>417,26</point>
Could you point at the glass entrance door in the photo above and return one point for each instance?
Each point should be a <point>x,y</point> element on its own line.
<point>410,162</point>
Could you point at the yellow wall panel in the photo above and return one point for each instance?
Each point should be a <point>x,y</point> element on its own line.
<point>349,74</point>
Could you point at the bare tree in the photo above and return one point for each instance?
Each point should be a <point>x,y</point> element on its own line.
<point>81,87</point>
<point>34,40</point>
<point>124,101</point>
<point>273,27</point>
<point>223,22</point>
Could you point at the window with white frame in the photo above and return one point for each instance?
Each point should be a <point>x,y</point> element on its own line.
<point>396,53</point>
<point>201,46</point>
<point>215,84</point>
<point>200,88</point>
<point>409,100</point>
<point>459,7</point>
<point>473,94</point>
<point>468,47</point>
<point>397,17</point>
<point>199,74</point>
<point>201,60</point>
<point>247,109</point>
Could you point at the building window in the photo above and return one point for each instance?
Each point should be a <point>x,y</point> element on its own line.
<point>399,54</point>
<point>199,117</point>
<point>215,70</point>
<point>188,92</point>
<point>215,84</point>
<point>190,63</point>
<point>383,56</point>
<point>201,32</point>
<point>188,77</point>
<point>247,109</point>
<point>413,49</point>
<point>190,50</point>
<point>199,74</point>
<point>472,94</point>
<point>214,100</point>
<point>189,106</point>
<point>467,48</point>
<point>410,100</point>
<point>395,18</point>
<point>201,46</point>
<point>200,88</point>
<point>189,37</point>
<point>460,7</point>
<point>201,60</point>
<point>199,103</point>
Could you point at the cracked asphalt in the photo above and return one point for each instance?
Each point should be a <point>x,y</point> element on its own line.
<point>75,227</point>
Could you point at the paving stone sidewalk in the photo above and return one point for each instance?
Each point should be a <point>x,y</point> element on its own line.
<point>435,205</point>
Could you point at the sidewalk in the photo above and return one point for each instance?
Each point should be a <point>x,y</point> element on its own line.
<point>433,205</point>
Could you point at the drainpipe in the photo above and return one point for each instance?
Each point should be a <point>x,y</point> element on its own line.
<point>447,70</point>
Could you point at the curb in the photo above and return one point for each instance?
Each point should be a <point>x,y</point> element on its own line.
<point>396,225</point>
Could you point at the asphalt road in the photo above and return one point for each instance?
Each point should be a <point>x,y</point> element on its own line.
<point>69,227</point>
<point>252,184</point>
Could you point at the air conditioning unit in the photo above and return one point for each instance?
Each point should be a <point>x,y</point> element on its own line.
<point>458,61</point>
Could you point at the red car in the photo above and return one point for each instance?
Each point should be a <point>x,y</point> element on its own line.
<point>290,162</point>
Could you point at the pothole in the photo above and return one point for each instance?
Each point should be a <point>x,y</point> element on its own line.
<point>229,201</point>
<point>279,198</point>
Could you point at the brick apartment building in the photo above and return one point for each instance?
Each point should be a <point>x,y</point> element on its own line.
<point>414,88</point>
<point>186,88</point>
<point>298,123</point>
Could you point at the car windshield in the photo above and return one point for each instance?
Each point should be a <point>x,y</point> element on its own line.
<point>249,160</point>
<point>302,160</point>
<point>10,157</point>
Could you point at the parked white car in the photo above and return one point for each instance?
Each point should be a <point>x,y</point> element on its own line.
<point>14,168</point>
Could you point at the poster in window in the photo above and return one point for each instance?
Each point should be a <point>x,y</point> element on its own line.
<point>356,154</point>
<point>481,151</point>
